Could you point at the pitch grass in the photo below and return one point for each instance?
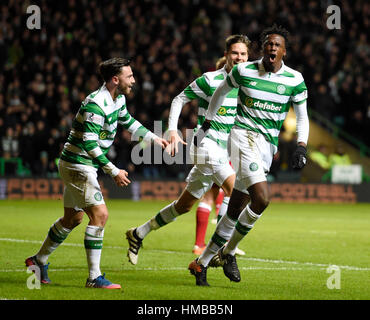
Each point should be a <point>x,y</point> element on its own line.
<point>288,254</point>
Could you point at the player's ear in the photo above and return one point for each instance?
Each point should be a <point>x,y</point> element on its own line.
<point>115,80</point>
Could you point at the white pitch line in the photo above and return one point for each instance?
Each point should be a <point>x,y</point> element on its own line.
<point>304,263</point>
<point>63,244</point>
<point>323,232</point>
<point>312,264</point>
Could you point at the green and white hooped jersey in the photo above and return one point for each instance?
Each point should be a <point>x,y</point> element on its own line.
<point>94,128</point>
<point>265,98</point>
<point>202,89</point>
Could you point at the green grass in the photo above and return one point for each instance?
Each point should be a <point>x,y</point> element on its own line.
<point>288,253</point>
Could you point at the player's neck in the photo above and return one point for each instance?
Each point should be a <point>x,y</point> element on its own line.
<point>228,68</point>
<point>113,90</point>
<point>272,67</point>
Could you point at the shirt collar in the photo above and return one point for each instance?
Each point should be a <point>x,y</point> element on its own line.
<point>261,67</point>
<point>224,69</point>
<point>104,88</point>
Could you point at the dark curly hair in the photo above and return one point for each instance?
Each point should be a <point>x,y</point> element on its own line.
<point>112,67</point>
<point>275,30</point>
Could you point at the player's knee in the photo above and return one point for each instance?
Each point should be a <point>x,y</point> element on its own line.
<point>103,216</point>
<point>261,202</point>
<point>227,189</point>
<point>98,218</point>
<point>228,186</point>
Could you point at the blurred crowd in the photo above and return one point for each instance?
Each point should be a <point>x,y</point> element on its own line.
<point>326,159</point>
<point>45,74</point>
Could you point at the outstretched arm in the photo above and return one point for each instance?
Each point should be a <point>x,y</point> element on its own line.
<point>137,129</point>
<point>176,106</point>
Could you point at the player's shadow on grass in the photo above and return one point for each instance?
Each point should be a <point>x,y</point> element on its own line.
<point>212,284</point>
<point>64,285</point>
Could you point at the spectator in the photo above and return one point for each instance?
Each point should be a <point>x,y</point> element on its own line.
<point>320,156</point>
<point>339,156</point>
<point>54,68</point>
<point>357,125</point>
<point>10,149</point>
<point>322,101</point>
<point>28,144</point>
<point>10,144</point>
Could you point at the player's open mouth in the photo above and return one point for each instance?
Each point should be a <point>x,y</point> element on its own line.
<point>272,57</point>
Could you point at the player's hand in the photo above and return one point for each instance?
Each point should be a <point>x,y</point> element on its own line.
<point>174,140</point>
<point>201,133</point>
<point>121,179</point>
<point>161,142</point>
<point>299,157</point>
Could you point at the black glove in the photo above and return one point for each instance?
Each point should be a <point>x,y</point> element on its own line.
<point>299,157</point>
<point>201,133</point>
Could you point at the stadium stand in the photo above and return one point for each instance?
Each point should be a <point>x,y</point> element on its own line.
<point>45,74</point>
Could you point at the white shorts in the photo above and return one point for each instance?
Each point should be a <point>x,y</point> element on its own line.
<point>199,183</point>
<point>251,156</point>
<point>211,166</point>
<point>209,152</point>
<point>81,187</point>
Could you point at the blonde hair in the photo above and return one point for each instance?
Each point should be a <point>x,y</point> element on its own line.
<point>220,62</point>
